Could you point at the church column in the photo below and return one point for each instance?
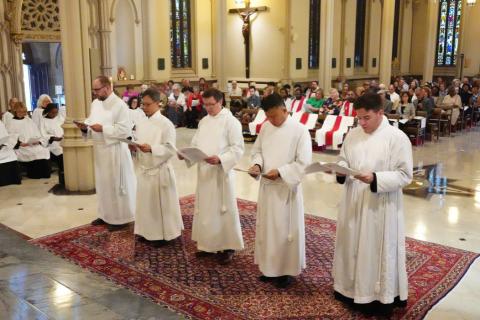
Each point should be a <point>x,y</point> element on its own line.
<point>105,32</point>
<point>77,152</point>
<point>386,41</point>
<point>326,44</point>
<point>219,17</point>
<point>287,36</point>
<point>430,40</point>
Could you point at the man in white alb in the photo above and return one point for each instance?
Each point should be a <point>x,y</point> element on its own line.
<point>282,150</point>
<point>216,221</point>
<point>369,263</point>
<point>115,181</point>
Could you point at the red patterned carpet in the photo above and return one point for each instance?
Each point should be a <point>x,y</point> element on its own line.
<point>201,289</point>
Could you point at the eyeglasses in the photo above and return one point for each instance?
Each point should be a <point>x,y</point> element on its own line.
<point>97,89</point>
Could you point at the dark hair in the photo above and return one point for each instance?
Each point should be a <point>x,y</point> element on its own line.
<point>271,101</point>
<point>170,82</point>
<point>315,82</point>
<point>104,80</point>
<point>287,86</point>
<point>185,89</point>
<point>252,87</point>
<point>130,86</point>
<point>212,92</point>
<point>408,95</point>
<point>368,101</point>
<point>271,84</point>
<point>49,108</point>
<point>154,94</point>
<point>130,101</point>
<point>297,85</point>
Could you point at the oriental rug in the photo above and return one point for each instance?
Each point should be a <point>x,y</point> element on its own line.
<point>200,288</point>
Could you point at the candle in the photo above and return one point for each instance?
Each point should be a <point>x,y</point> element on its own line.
<point>132,77</point>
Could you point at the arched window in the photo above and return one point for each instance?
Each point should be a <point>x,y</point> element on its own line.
<point>360,26</point>
<point>314,34</point>
<point>448,32</point>
<point>180,34</point>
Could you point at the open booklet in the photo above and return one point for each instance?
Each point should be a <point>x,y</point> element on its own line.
<point>330,167</point>
<point>192,154</point>
<point>33,141</point>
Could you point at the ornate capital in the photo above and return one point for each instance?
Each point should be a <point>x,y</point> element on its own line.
<point>17,38</point>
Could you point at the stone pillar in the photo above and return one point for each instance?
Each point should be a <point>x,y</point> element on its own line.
<point>11,72</point>
<point>326,44</point>
<point>287,36</point>
<point>105,31</point>
<point>386,41</point>
<point>219,18</point>
<point>77,152</point>
<point>430,40</point>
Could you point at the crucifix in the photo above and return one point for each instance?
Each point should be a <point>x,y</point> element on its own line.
<point>245,14</point>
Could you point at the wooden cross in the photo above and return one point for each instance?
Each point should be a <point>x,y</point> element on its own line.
<point>244,14</point>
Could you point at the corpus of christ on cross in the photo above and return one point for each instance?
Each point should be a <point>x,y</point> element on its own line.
<point>245,14</point>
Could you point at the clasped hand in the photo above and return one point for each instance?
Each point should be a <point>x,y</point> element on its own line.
<point>365,177</point>
<point>213,160</point>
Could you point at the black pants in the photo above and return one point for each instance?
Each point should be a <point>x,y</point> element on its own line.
<point>191,118</point>
<point>59,161</point>
<point>10,173</point>
<point>38,169</point>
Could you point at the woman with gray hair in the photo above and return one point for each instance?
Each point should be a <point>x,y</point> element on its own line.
<point>176,106</point>
<point>42,103</point>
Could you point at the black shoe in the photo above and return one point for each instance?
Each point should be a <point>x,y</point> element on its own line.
<point>283,282</point>
<point>97,222</point>
<point>340,297</point>
<point>116,227</point>
<point>225,257</point>
<point>158,243</point>
<point>266,279</point>
<point>203,254</point>
<point>400,303</point>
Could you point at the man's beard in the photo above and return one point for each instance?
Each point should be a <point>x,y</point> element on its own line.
<point>102,98</point>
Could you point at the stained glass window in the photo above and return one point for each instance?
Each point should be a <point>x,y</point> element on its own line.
<point>361,16</point>
<point>448,32</point>
<point>180,34</point>
<point>314,35</point>
<point>396,27</point>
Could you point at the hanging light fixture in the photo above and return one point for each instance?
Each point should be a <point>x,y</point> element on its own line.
<point>471,3</point>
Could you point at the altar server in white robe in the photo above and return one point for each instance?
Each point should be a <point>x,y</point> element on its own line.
<point>281,152</point>
<point>37,114</point>
<point>115,180</point>
<point>216,222</point>
<point>51,129</point>
<point>157,218</point>
<point>8,115</point>
<point>369,263</point>
<point>33,154</point>
<point>9,169</point>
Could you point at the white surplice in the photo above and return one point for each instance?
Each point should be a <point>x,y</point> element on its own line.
<point>6,118</point>
<point>6,152</point>
<point>369,262</point>
<point>37,116</point>
<point>136,115</point>
<point>25,129</point>
<point>157,214</point>
<point>53,128</point>
<point>280,230</point>
<point>115,180</point>
<point>216,222</point>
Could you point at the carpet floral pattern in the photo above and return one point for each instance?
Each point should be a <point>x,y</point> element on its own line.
<point>200,288</point>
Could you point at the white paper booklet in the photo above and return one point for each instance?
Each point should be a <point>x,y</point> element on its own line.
<point>330,166</point>
<point>33,141</point>
<point>192,154</point>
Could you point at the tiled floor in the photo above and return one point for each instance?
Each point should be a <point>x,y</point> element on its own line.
<point>29,285</point>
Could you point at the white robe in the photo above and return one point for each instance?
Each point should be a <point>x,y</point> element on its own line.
<point>158,214</point>
<point>115,180</point>
<point>37,116</point>
<point>280,231</point>
<point>52,128</point>
<point>6,152</point>
<point>25,129</point>
<point>216,222</point>
<point>6,118</point>
<point>136,115</point>
<point>369,262</point>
